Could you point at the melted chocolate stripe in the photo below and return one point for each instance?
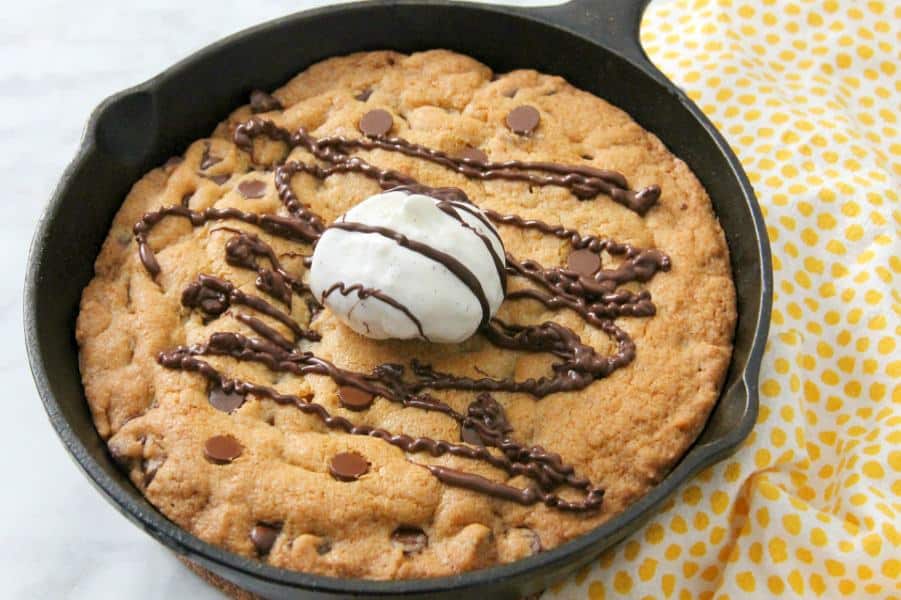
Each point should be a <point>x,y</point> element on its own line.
<point>526,497</point>
<point>576,240</point>
<point>451,200</point>
<point>584,182</point>
<point>470,167</point>
<point>487,417</point>
<point>449,262</point>
<point>245,248</point>
<point>385,381</point>
<point>470,209</point>
<point>280,226</point>
<point>450,209</point>
<point>364,292</point>
<point>579,367</point>
<point>185,359</point>
<point>283,174</point>
<point>485,414</point>
<point>214,296</point>
<point>594,313</point>
<point>263,330</point>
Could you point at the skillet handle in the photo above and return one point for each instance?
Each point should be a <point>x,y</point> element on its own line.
<point>613,23</point>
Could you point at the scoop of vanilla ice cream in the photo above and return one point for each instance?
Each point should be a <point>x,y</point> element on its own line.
<point>408,265</point>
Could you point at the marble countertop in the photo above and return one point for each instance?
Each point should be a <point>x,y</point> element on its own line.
<point>58,59</point>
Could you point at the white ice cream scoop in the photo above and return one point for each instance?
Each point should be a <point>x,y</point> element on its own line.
<point>411,263</point>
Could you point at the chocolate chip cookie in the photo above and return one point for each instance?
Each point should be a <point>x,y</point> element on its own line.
<point>255,419</point>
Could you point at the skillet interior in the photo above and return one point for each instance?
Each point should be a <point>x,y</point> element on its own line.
<point>138,129</point>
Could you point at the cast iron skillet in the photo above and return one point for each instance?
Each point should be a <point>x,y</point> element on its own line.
<point>592,43</point>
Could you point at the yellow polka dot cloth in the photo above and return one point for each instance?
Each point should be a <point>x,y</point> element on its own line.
<point>808,93</point>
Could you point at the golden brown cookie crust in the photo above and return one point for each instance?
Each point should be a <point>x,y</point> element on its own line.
<point>624,432</point>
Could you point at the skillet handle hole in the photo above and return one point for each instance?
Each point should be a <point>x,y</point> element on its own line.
<point>126,128</point>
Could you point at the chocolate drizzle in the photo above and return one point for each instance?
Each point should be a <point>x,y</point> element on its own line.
<point>527,496</point>
<point>452,209</point>
<point>245,248</point>
<point>546,468</point>
<point>595,298</point>
<point>213,296</point>
<point>364,292</point>
<point>592,293</point>
<point>453,265</point>
<point>288,228</point>
<point>585,182</point>
<point>579,366</point>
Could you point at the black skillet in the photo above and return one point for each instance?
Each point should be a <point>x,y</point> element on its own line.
<point>592,43</point>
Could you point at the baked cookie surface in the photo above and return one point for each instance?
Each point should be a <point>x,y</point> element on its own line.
<point>259,477</point>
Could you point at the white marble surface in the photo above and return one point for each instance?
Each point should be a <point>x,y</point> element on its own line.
<point>58,59</point>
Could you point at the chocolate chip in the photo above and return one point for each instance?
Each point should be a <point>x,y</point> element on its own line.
<point>584,262</point>
<point>218,179</point>
<point>208,160</point>
<point>376,122</point>
<point>587,157</point>
<point>263,537</point>
<point>260,101</point>
<point>364,95</point>
<point>253,188</point>
<point>225,401</point>
<point>324,547</point>
<point>353,398</point>
<point>471,436</point>
<point>473,154</point>
<point>348,466</point>
<point>523,119</point>
<point>411,539</point>
<point>222,449</point>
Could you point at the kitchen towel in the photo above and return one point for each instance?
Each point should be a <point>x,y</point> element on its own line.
<point>808,94</point>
